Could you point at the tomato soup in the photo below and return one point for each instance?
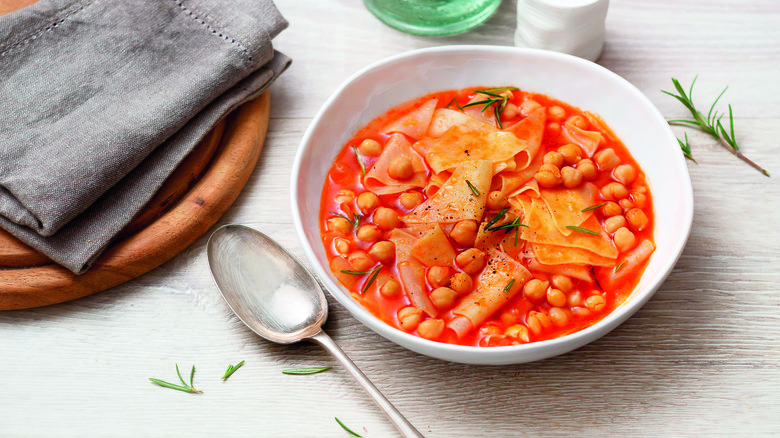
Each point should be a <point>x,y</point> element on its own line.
<point>487,217</point>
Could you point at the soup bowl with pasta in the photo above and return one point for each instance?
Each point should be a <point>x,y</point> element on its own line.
<point>490,205</point>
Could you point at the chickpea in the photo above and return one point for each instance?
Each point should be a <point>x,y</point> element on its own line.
<point>578,121</point>
<point>431,329</point>
<point>574,299</point>
<point>587,168</point>
<point>611,209</point>
<point>606,159</point>
<point>345,195</point>
<point>367,202</point>
<point>340,225</point>
<point>400,168</point>
<point>360,261</point>
<point>553,129</point>
<point>548,176</point>
<point>572,154</point>
<point>471,261</point>
<point>624,239</point>
<point>562,283</point>
<point>556,113</point>
<point>461,283</point>
<point>625,173</point>
<point>626,204</point>
<point>544,320</point>
<point>533,323</point>
<point>535,290</point>
<point>342,245</point>
<point>439,276</point>
<point>614,190</point>
<point>517,331</point>
<point>508,94</point>
<point>489,330</point>
<point>386,218</point>
<point>510,111</point>
<point>443,297</point>
<point>496,200</point>
<point>383,251</point>
<point>640,199</point>
<point>409,317</point>
<point>391,289</point>
<point>411,199</point>
<point>611,224</point>
<point>637,219</point>
<point>370,148</point>
<point>464,233</point>
<point>581,312</point>
<point>571,177</point>
<point>559,316</point>
<point>555,297</point>
<point>595,303</point>
<point>508,318</point>
<point>554,158</point>
<point>529,106</point>
<point>369,233</point>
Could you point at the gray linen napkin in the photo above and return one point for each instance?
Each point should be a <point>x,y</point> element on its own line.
<point>100,100</point>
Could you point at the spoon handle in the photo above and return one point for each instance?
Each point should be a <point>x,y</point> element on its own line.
<point>401,423</point>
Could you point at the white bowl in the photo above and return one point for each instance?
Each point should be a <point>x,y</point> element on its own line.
<point>385,84</point>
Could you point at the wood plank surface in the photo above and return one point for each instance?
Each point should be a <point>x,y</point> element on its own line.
<point>702,358</point>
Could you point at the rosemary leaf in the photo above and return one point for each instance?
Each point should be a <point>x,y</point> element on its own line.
<point>497,217</point>
<point>359,160</point>
<point>183,387</point>
<point>582,230</point>
<point>345,271</point>
<point>371,279</point>
<point>686,148</point>
<point>499,89</point>
<point>232,369</point>
<point>473,189</point>
<point>350,431</point>
<point>509,286</point>
<point>306,371</point>
<point>619,266</point>
<point>592,207</point>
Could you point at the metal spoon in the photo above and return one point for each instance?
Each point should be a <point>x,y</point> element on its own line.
<point>275,296</point>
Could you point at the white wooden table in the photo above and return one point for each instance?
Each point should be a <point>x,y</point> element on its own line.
<point>701,359</point>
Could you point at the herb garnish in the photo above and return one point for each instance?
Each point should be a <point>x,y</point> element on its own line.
<point>509,286</point>
<point>370,280</point>
<point>357,157</point>
<point>619,266</point>
<point>354,222</point>
<point>455,101</point>
<point>306,371</point>
<point>508,227</point>
<point>497,100</point>
<point>497,217</point>
<point>582,230</point>
<point>686,148</point>
<point>711,125</point>
<point>183,387</point>
<point>232,369</point>
<point>346,271</point>
<point>351,432</point>
<point>592,207</point>
<point>473,189</point>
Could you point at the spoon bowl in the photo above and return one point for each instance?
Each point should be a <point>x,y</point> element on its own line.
<point>274,295</point>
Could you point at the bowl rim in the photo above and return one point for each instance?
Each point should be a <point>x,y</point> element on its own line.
<point>497,354</point>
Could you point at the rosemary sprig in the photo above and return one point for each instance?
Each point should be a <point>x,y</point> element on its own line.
<point>508,227</point>
<point>371,279</point>
<point>582,230</point>
<point>350,431</point>
<point>592,207</point>
<point>473,189</point>
<point>306,371</point>
<point>232,369</point>
<point>355,221</point>
<point>509,286</point>
<point>712,124</point>
<point>360,161</point>
<point>497,217</point>
<point>498,101</point>
<point>686,148</point>
<point>183,387</point>
<point>619,266</point>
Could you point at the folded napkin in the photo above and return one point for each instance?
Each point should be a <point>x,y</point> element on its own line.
<point>100,100</point>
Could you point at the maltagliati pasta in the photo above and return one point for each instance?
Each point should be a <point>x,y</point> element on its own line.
<point>487,217</point>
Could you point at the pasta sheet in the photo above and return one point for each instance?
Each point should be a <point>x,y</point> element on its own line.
<point>379,181</point>
<point>414,124</point>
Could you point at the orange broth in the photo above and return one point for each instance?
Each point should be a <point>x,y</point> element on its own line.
<point>345,182</point>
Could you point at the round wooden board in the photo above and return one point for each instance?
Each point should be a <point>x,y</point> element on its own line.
<point>190,201</point>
